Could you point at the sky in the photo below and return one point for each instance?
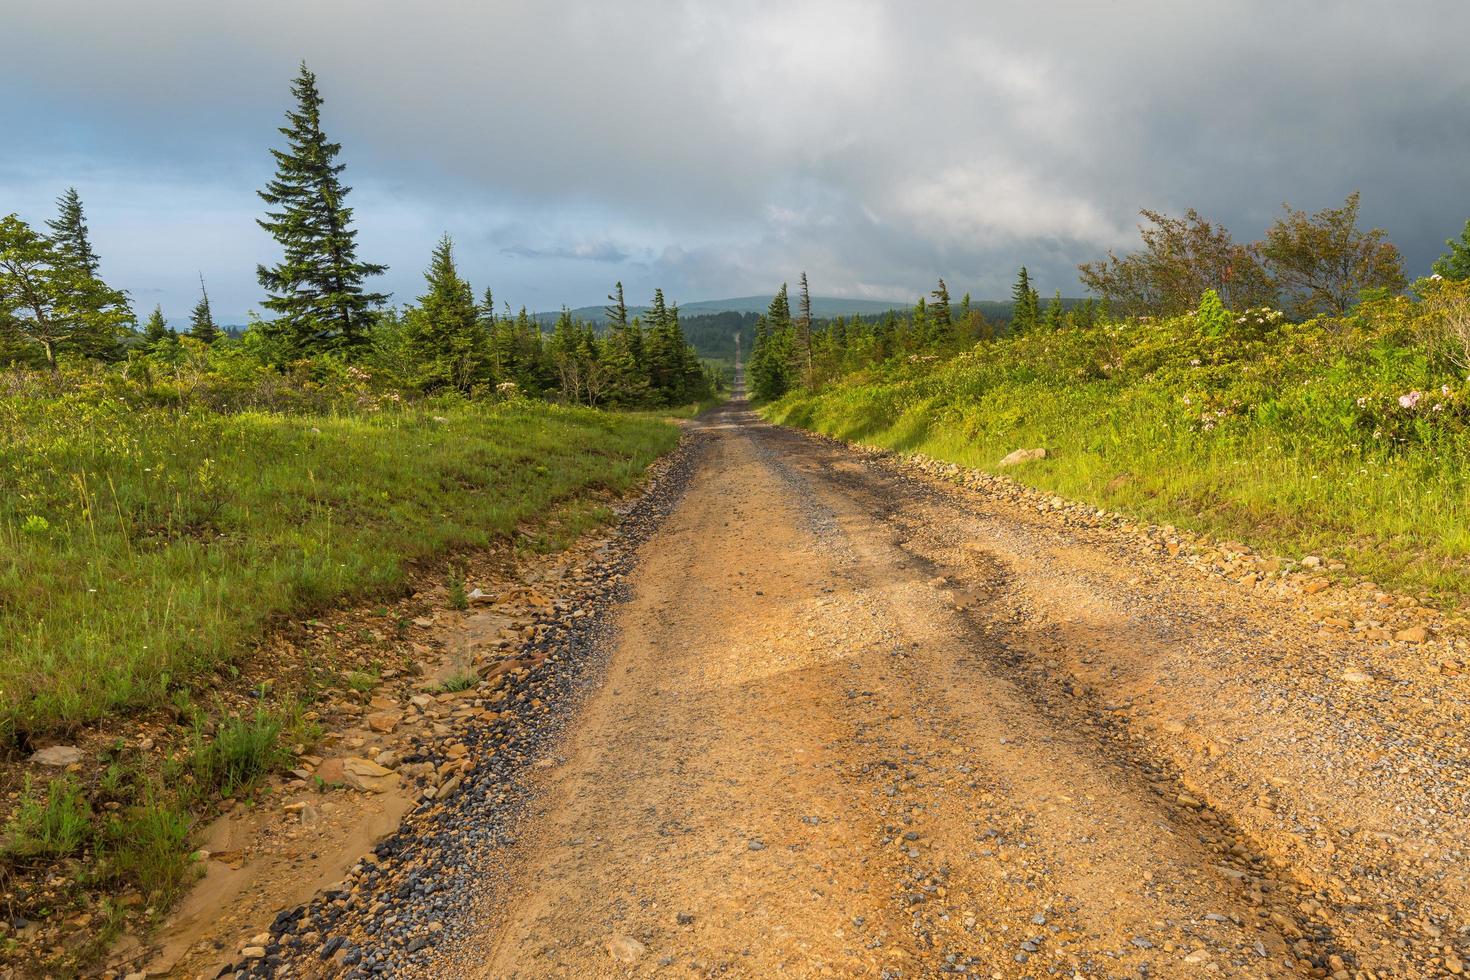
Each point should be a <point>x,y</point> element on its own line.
<point>717,148</point>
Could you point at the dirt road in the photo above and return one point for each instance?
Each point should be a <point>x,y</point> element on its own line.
<point>861,724</point>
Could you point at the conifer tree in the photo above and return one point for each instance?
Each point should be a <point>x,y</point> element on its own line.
<point>1025,304</point>
<point>616,313</point>
<point>444,332</point>
<point>920,336</point>
<point>317,289</point>
<point>779,312</point>
<point>1055,317</point>
<point>53,304</point>
<point>201,322</point>
<point>155,330</point>
<point>69,232</point>
<point>804,331</point>
<point>941,327</point>
<point>885,336</point>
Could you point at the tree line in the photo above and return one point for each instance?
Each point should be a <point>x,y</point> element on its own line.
<point>55,306</point>
<point>1309,265</point>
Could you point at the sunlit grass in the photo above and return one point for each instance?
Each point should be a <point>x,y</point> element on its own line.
<point>141,546</point>
<point>1313,454</point>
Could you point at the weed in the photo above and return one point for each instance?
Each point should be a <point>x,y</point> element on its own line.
<point>461,681</point>
<point>361,681</point>
<point>243,750</point>
<point>458,597</point>
<point>53,825</point>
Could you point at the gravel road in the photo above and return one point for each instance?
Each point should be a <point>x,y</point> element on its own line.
<point>847,718</point>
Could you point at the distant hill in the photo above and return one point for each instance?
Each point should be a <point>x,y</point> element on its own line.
<point>822,306</point>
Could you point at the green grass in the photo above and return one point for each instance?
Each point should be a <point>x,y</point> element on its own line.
<point>241,751</point>
<point>1288,437</point>
<point>143,546</point>
<point>461,681</point>
<point>53,823</point>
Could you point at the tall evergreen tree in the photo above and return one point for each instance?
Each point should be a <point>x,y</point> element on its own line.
<point>616,312</point>
<point>444,332</point>
<point>69,232</point>
<point>941,326</point>
<point>779,312</point>
<point>201,322</point>
<point>804,330</point>
<point>51,304</point>
<point>1025,303</point>
<point>317,289</point>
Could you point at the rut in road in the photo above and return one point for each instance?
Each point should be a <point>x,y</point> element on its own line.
<point>835,739</point>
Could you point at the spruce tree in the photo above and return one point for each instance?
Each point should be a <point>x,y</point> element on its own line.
<point>1025,303</point>
<point>201,322</point>
<point>69,232</point>
<point>317,289</point>
<point>1055,316</point>
<point>804,331</point>
<point>155,331</point>
<point>616,313</point>
<point>941,327</point>
<point>444,333</point>
<point>53,305</point>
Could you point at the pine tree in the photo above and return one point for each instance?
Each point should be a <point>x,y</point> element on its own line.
<point>54,305</point>
<point>941,327</point>
<point>201,322</point>
<point>69,232</point>
<point>1455,264</point>
<point>317,289</point>
<point>155,331</point>
<point>804,331</point>
<point>1025,304</point>
<point>1055,316</point>
<point>779,312</point>
<point>616,313</point>
<point>444,333</point>
<point>919,336</point>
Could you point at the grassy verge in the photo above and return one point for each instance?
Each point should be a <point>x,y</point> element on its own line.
<point>1335,438</point>
<point>141,546</point>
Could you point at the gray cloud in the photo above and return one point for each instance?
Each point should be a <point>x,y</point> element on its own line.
<point>577,251</point>
<point>719,148</point>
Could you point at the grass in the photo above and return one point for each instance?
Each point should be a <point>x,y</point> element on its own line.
<point>461,681</point>
<point>241,751</point>
<point>1291,438</point>
<point>142,546</point>
<point>53,823</point>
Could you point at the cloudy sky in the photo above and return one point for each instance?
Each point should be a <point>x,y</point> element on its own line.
<point>718,147</point>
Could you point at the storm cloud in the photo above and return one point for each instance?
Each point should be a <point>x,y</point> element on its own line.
<point>719,148</point>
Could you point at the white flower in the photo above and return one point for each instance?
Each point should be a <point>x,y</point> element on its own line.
<point>1410,400</point>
